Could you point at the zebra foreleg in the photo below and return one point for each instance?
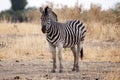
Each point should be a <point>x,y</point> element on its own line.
<point>60,47</point>
<point>74,54</point>
<point>53,50</point>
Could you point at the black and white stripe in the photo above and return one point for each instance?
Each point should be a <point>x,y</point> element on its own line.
<point>62,35</point>
<point>69,33</point>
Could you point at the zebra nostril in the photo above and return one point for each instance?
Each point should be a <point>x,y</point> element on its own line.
<point>43,26</point>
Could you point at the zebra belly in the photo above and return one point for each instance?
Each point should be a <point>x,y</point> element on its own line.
<point>68,46</point>
<point>70,41</point>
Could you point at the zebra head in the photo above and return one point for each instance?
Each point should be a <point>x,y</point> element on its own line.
<point>47,16</point>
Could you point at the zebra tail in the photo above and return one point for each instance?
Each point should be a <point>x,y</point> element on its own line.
<point>81,54</point>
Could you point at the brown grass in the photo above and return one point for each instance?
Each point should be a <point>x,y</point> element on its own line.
<point>26,42</point>
<point>102,54</point>
<point>103,32</point>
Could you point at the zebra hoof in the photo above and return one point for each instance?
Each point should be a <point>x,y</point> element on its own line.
<point>60,71</point>
<point>73,69</point>
<point>77,70</point>
<point>53,71</point>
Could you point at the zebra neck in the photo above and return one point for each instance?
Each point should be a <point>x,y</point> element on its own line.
<point>52,31</point>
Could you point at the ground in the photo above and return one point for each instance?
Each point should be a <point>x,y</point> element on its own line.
<point>40,70</point>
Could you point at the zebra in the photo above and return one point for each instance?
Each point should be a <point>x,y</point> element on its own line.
<point>70,34</point>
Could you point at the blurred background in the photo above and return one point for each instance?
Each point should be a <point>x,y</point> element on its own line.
<point>21,37</point>
<point>85,10</point>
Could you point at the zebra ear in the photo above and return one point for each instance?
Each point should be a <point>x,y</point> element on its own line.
<point>48,10</point>
<point>41,9</point>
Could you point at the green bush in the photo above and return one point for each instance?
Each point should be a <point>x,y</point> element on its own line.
<point>18,4</point>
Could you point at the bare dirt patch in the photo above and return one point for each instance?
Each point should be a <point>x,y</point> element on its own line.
<point>40,70</point>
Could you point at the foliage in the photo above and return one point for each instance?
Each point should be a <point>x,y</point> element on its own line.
<point>13,16</point>
<point>18,4</point>
<point>17,12</point>
<point>94,14</point>
<point>33,14</point>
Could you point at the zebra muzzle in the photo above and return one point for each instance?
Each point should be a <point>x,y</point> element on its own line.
<point>43,29</point>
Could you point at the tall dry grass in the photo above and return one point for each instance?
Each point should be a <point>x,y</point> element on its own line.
<point>102,25</point>
<point>26,42</point>
<point>102,32</point>
<point>22,41</point>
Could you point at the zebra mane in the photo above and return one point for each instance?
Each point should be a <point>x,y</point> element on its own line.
<point>52,12</point>
<point>46,10</point>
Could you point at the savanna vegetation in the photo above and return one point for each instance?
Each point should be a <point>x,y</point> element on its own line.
<point>102,26</point>
<point>21,37</point>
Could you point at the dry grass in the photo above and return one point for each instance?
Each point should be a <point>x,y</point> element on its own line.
<point>26,42</point>
<point>22,41</point>
<point>102,54</point>
<point>113,75</point>
<point>103,32</point>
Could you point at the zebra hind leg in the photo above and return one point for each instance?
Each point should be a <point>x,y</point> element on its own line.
<point>74,54</point>
<point>81,50</point>
<point>77,56</point>
<point>79,53</point>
